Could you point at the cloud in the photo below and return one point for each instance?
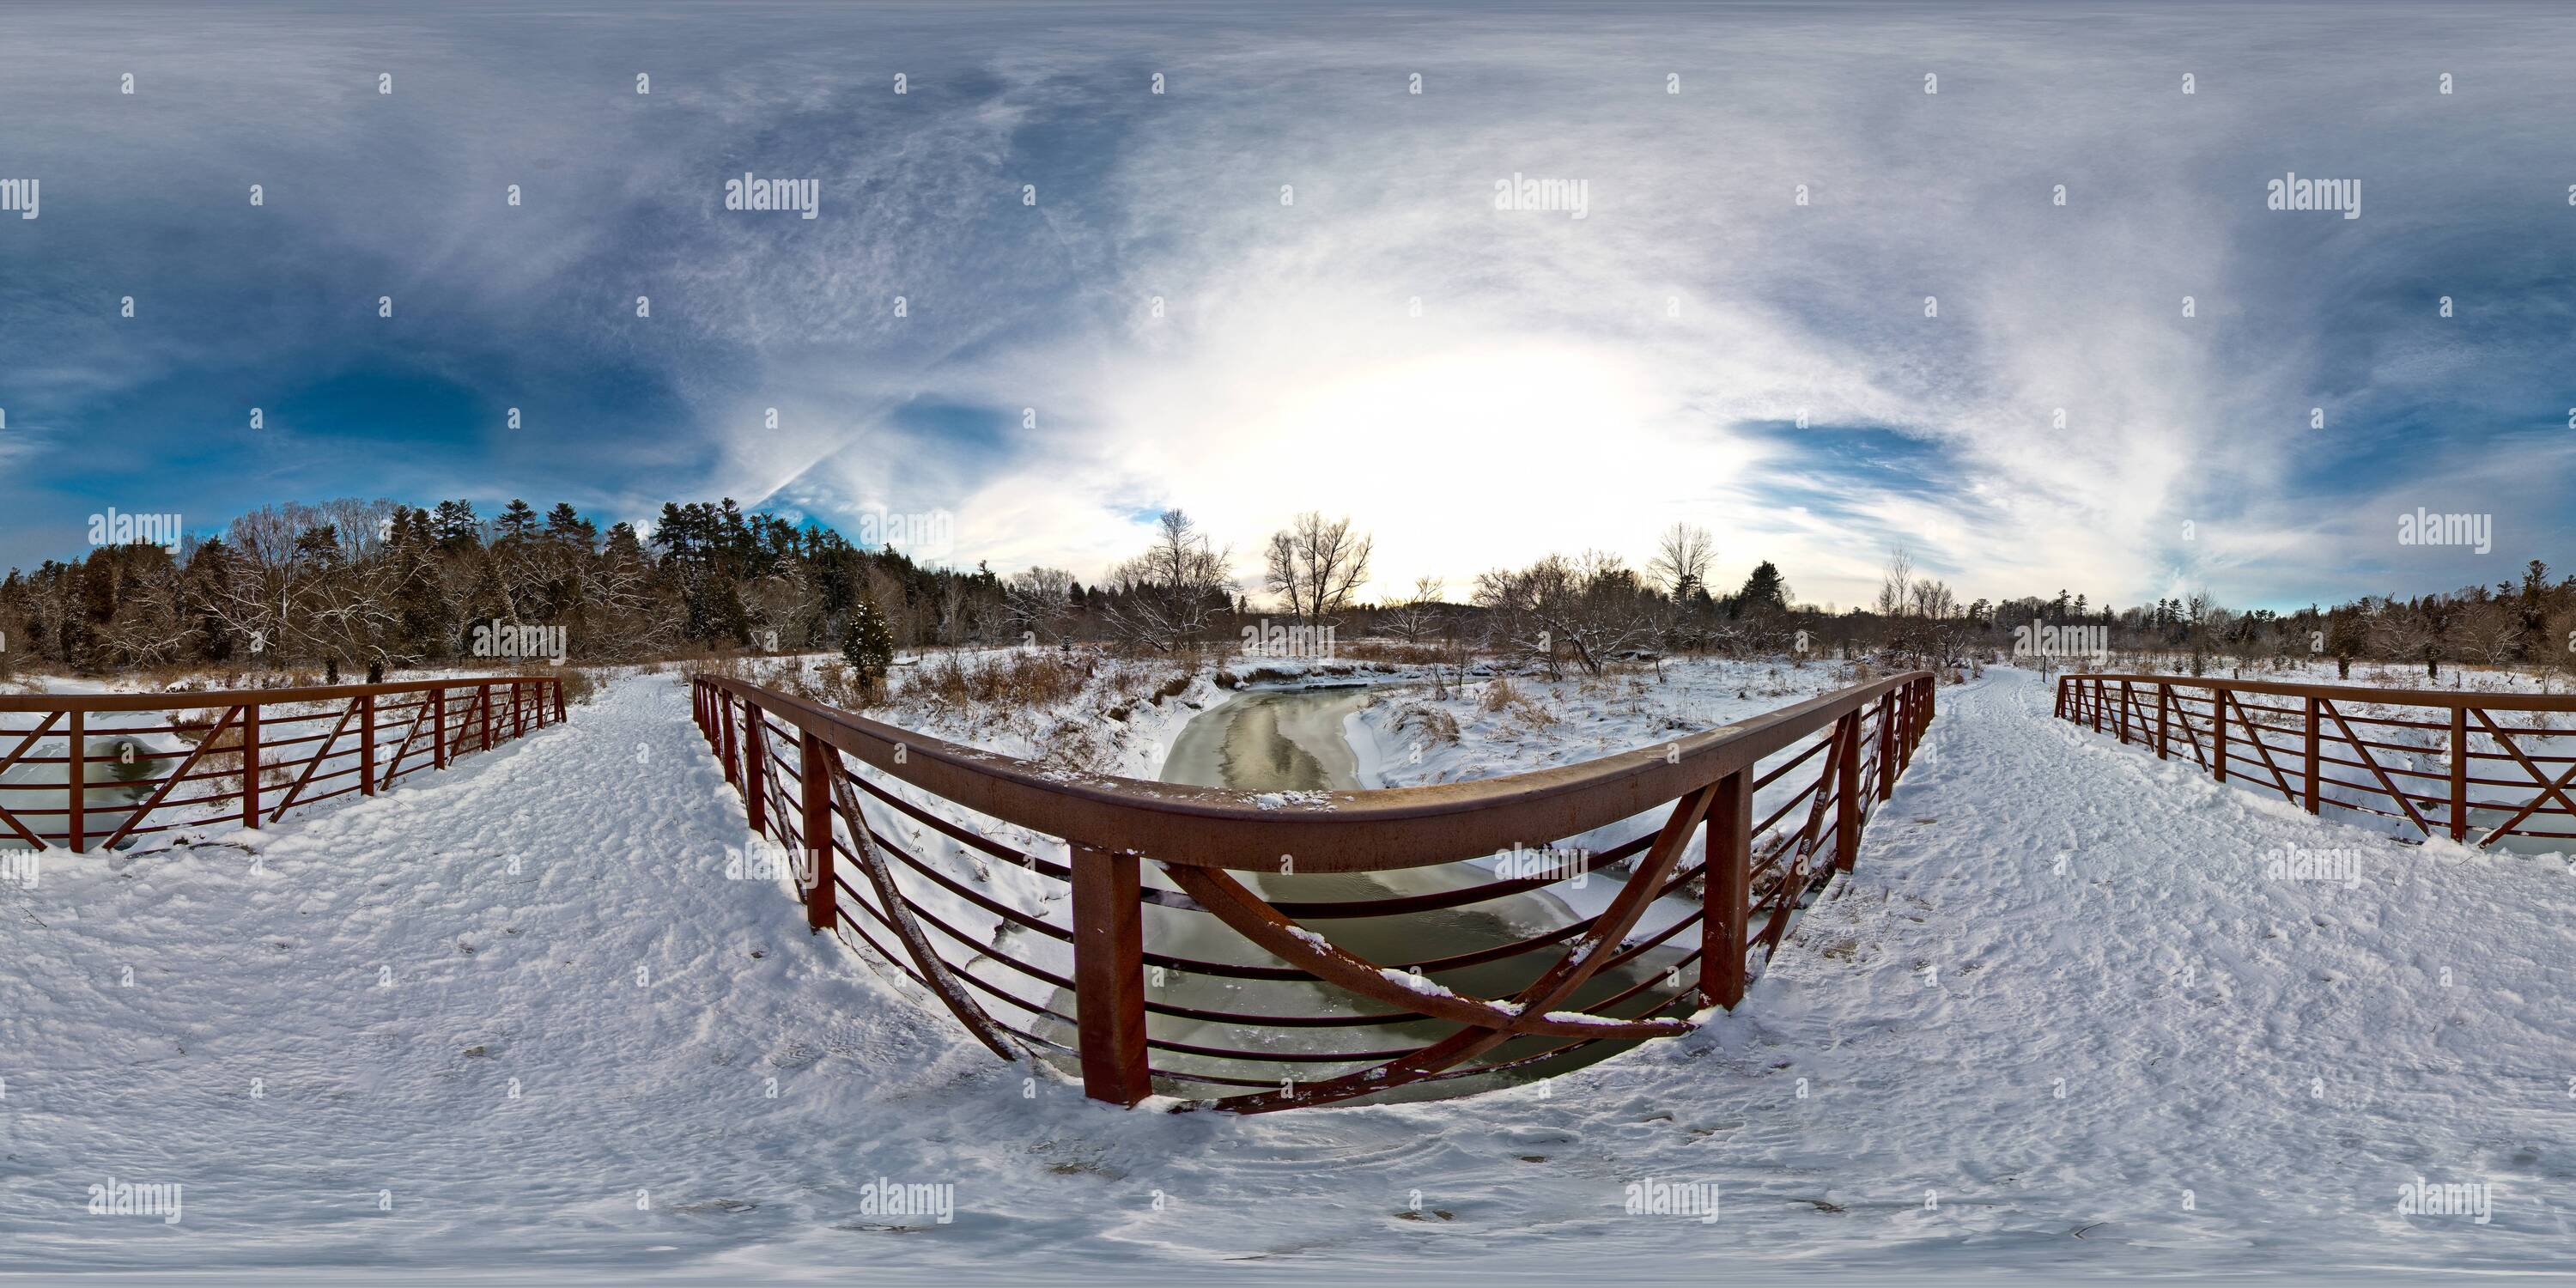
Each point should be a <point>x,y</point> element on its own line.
<point>1283,284</point>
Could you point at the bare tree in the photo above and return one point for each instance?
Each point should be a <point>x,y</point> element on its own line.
<point>1896,586</point>
<point>1592,608</point>
<point>1172,592</point>
<point>1682,556</point>
<point>1315,565</point>
<point>1418,616</point>
<point>2488,632</point>
<point>1040,602</point>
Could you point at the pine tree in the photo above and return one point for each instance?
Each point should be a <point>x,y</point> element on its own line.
<point>1763,591</point>
<point>518,521</point>
<point>867,644</point>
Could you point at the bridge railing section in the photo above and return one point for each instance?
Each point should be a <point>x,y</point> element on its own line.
<point>1264,951</point>
<point>2477,767</point>
<point>100,771</point>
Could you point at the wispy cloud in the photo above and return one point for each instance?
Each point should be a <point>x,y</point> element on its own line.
<point>1283,284</point>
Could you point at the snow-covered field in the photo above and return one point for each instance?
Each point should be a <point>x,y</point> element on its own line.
<point>513,1022</point>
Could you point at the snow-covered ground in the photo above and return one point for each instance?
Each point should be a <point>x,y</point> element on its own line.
<point>1523,722</point>
<point>513,1021</point>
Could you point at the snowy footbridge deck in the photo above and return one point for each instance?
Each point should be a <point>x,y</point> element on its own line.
<point>1243,951</point>
<point>1231,949</point>
<point>2063,987</point>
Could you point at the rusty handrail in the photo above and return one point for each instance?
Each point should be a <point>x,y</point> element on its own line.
<point>2445,698</point>
<point>259,722</point>
<point>2206,716</point>
<point>1343,831</point>
<point>936,906</point>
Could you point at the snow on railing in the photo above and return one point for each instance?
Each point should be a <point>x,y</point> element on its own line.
<point>85,771</point>
<point>2476,750</point>
<point>1165,939</point>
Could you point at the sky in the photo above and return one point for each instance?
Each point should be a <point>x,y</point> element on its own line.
<point>1283,282</point>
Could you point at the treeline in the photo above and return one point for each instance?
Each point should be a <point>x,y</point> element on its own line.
<point>353,587</point>
<point>2527,622</point>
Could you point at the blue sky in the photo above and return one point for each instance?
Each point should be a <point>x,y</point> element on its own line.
<point>1345,321</point>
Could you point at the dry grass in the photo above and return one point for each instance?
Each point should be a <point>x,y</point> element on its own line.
<point>1500,698</point>
<point>1391,652</point>
<point>580,684</point>
<point>1428,722</point>
<point>996,681</point>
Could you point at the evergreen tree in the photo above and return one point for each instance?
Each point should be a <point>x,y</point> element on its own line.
<point>867,644</point>
<point>455,526</point>
<point>1764,591</point>
<point>518,521</point>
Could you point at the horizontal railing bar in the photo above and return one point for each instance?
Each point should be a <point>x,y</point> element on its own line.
<point>195,701</point>
<point>1350,831</point>
<point>2443,698</point>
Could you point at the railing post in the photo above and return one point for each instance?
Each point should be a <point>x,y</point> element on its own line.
<point>518,713</point>
<point>2164,718</point>
<point>1846,791</point>
<point>367,744</point>
<point>815,773</point>
<point>250,764</point>
<point>2218,733</point>
<point>78,781</point>
<point>559,700</point>
<point>732,760</point>
<point>1886,745</point>
<point>2097,704</point>
<point>755,767</point>
<point>2316,802</point>
<point>2124,713</point>
<point>1904,695</point>
<point>1726,898</point>
<point>2459,772</point>
<point>488,704</point>
<point>1109,975</point>
<point>438,728</point>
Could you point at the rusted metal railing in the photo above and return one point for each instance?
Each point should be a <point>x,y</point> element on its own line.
<point>133,764</point>
<point>1209,944</point>
<point>2468,759</point>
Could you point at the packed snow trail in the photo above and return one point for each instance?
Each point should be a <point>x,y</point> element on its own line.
<point>2059,1020</point>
